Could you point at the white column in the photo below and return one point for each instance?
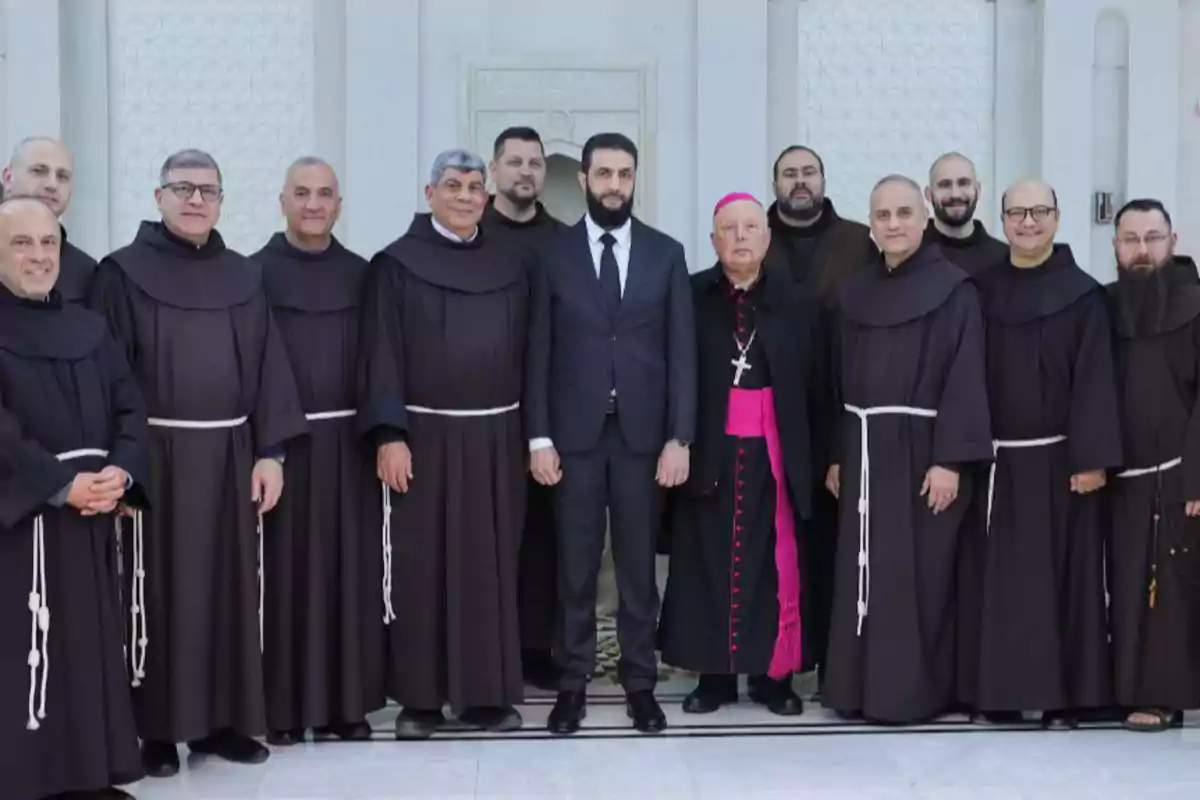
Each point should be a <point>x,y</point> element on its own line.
<point>1015,136</point>
<point>85,121</point>
<point>731,109</point>
<point>1067,42</point>
<point>382,131</point>
<point>783,78</point>
<point>32,55</point>
<point>1154,79</point>
<point>330,123</point>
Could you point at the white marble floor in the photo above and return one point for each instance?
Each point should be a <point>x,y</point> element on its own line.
<point>734,755</point>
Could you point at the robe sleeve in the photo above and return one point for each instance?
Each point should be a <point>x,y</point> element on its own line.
<point>1191,442</point>
<point>537,356</point>
<point>822,417</point>
<point>278,415</point>
<point>109,298</point>
<point>682,381</point>
<point>833,395</point>
<point>1093,427</point>
<point>29,474</point>
<point>962,432</point>
<point>381,409</point>
<point>129,447</point>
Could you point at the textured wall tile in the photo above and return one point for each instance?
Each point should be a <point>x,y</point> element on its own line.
<point>233,77</point>
<point>888,86</point>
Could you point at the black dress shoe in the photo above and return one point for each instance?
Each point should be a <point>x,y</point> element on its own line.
<point>111,793</point>
<point>415,723</point>
<point>1059,720</point>
<point>501,719</point>
<point>160,759</point>
<point>346,731</point>
<point>285,738</point>
<point>230,746</point>
<point>569,711</point>
<point>1001,717</point>
<point>646,713</point>
<point>778,696</point>
<point>712,692</point>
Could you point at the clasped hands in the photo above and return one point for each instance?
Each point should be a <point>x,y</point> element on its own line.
<point>93,493</point>
<point>674,464</point>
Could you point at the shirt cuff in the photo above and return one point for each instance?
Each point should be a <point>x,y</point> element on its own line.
<point>540,443</point>
<point>60,497</point>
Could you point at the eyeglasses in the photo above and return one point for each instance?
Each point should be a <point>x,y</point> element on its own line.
<point>1150,239</point>
<point>185,191</point>
<point>1039,213</point>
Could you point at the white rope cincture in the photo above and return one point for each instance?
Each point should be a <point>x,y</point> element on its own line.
<point>864,495</point>
<point>317,416</point>
<point>39,622</point>
<point>196,425</point>
<point>39,610</point>
<point>1011,444</point>
<point>464,412</point>
<point>388,613</point>
<point>139,636</point>
<point>1139,472</point>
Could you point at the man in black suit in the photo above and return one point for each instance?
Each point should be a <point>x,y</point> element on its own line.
<point>610,407</point>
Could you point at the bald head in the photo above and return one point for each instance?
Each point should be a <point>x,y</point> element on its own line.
<point>1030,209</point>
<point>43,168</point>
<point>311,202</point>
<point>29,247</point>
<point>953,192</point>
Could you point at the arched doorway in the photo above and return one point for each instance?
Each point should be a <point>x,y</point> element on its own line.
<point>562,194</point>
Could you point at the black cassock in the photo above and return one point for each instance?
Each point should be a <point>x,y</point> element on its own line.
<point>198,332</point>
<point>1155,549</point>
<point>75,272</point>
<point>973,254</point>
<point>909,357</point>
<point>444,330</point>
<point>1043,629</point>
<point>721,611</point>
<point>65,389</point>
<point>324,599</point>
<point>538,584</point>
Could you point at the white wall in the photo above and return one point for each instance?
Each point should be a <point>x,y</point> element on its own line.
<point>1187,211</point>
<point>888,87</point>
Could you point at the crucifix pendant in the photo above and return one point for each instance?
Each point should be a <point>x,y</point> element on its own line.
<point>742,365</point>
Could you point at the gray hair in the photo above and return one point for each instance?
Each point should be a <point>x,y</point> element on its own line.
<point>19,151</point>
<point>188,159</point>
<point>457,159</point>
<point>308,161</point>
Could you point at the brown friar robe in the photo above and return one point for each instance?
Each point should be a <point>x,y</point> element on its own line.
<point>443,347</point>
<point>910,379</point>
<point>820,256</point>
<point>1043,627</point>
<point>1155,550</point>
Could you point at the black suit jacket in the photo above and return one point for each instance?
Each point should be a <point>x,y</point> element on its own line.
<point>576,355</point>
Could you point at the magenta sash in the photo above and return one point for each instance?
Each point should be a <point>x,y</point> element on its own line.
<point>751,415</point>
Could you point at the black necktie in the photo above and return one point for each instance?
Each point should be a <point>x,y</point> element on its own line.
<point>610,277</point>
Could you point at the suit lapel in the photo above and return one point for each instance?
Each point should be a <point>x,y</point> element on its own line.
<point>638,259</point>
<point>581,257</point>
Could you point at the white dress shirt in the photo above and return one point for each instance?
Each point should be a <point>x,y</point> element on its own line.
<point>451,235</point>
<point>623,236</point>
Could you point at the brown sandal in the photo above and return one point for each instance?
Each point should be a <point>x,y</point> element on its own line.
<point>1164,720</point>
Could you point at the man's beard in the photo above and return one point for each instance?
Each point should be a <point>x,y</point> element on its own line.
<point>519,202</point>
<point>608,218</point>
<point>800,210</point>
<point>1142,294</point>
<point>956,213</point>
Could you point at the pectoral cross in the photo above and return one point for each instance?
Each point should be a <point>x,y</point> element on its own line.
<point>742,365</point>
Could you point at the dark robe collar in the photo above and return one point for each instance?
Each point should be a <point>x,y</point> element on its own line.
<point>473,267</point>
<point>882,298</point>
<point>330,280</point>
<point>824,222</point>
<point>979,236</point>
<point>180,273</point>
<point>49,329</point>
<point>540,217</point>
<point>1016,295</point>
<point>714,279</point>
<point>1183,301</point>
